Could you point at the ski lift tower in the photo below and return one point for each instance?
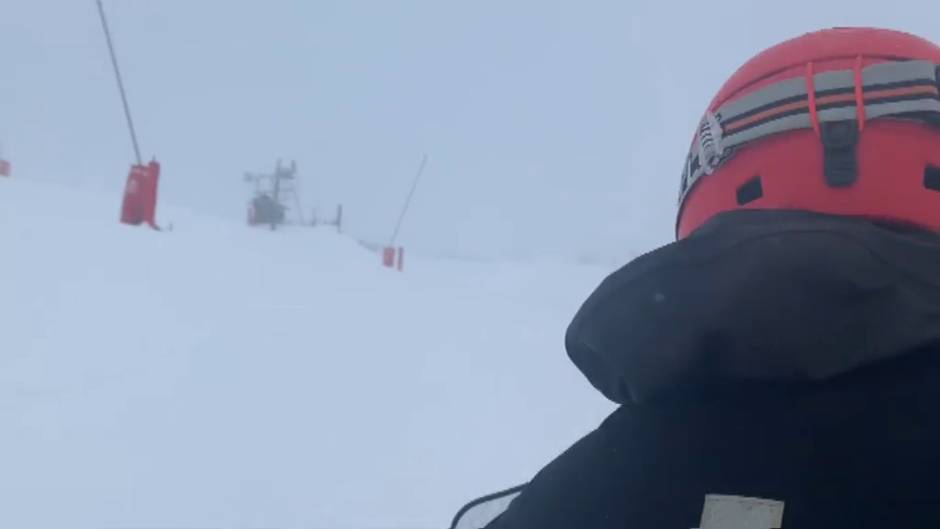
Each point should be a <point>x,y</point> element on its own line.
<point>274,195</point>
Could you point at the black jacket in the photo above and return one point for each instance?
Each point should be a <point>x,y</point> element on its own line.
<point>778,355</point>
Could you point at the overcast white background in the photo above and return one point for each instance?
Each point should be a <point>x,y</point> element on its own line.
<point>553,128</point>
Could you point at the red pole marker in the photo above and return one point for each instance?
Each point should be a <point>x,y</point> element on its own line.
<point>140,195</point>
<point>388,257</point>
<point>5,169</point>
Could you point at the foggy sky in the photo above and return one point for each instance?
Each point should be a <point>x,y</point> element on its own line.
<point>553,128</point>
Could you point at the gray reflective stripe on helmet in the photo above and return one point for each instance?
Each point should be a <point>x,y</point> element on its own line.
<point>898,72</point>
<point>841,79</point>
<point>900,108</point>
<point>878,74</point>
<point>784,124</point>
<point>751,117</point>
<point>837,114</point>
<point>771,94</point>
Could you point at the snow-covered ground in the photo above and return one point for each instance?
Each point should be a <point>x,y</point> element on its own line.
<point>217,376</point>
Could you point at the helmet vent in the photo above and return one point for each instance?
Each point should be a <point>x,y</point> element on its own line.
<point>932,178</point>
<point>753,189</point>
<point>840,161</point>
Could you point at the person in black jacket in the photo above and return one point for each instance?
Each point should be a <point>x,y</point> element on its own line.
<point>778,366</point>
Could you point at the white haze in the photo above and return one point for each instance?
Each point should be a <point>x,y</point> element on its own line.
<point>218,376</point>
<point>552,127</point>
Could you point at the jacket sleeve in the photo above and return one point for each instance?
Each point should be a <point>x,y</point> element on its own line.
<point>611,478</point>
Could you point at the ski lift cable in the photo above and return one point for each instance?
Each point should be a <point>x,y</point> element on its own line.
<point>120,81</point>
<point>414,186</point>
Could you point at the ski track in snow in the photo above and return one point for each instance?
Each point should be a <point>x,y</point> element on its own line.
<point>222,377</point>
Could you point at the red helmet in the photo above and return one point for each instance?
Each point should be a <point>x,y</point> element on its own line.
<point>841,121</point>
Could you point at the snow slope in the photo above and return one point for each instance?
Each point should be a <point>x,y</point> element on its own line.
<point>219,376</point>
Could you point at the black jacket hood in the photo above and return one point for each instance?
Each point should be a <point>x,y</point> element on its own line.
<point>759,297</point>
